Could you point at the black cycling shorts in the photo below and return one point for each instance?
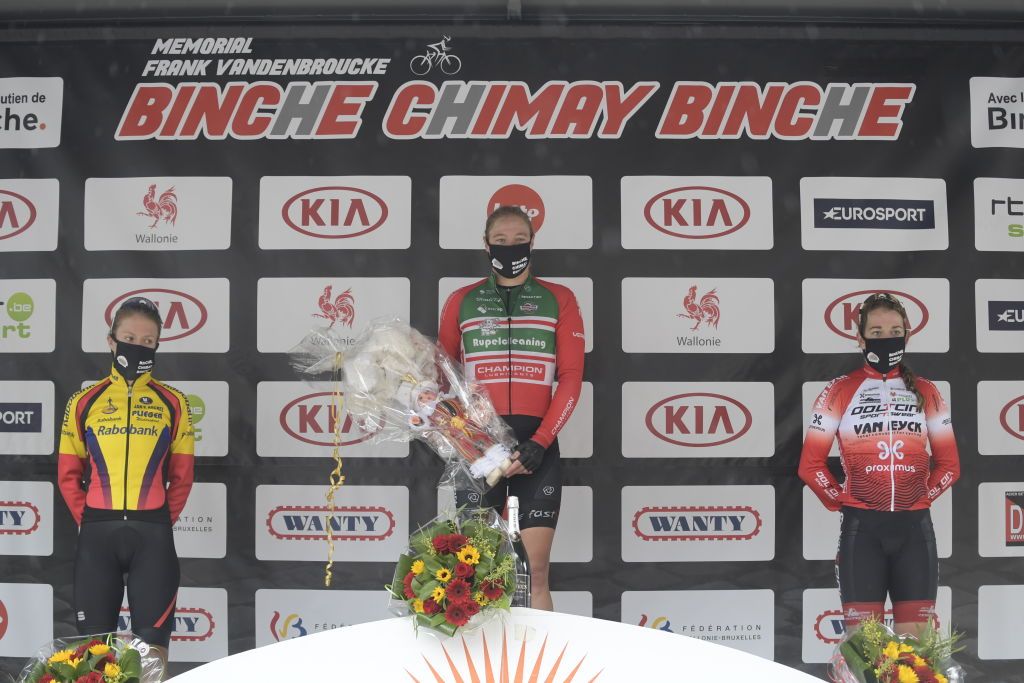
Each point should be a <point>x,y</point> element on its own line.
<point>143,552</point>
<point>539,493</point>
<point>884,552</point>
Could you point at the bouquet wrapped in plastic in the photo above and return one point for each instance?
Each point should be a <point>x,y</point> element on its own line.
<point>458,571</point>
<point>872,653</point>
<point>105,658</point>
<point>400,385</point>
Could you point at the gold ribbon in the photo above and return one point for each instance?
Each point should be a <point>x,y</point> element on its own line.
<point>336,478</point>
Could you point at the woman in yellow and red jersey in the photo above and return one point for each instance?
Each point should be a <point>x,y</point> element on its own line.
<point>125,471</point>
<point>886,419</point>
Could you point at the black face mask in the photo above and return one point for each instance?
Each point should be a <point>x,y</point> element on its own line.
<point>510,260</point>
<point>884,354</point>
<point>133,360</point>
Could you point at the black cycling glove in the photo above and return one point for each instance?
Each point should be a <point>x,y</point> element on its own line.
<point>531,454</point>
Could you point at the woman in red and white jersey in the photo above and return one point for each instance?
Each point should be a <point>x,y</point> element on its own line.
<point>898,453</point>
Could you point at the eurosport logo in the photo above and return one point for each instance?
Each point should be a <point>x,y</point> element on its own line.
<point>873,214</point>
<point>370,521</point>
<point>698,315</point>
<point>1006,315</point>
<point>559,207</point>
<point>163,213</point>
<point>335,212</point>
<point>31,113</point>
<point>997,112</point>
<point>297,419</point>
<point>831,312</point>
<point>21,418</point>
<point>999,315</point>
<point>698,523</point>
<point>28,214</point>
<point>999,214</point>
<point>199,632</point>
<point>696,212</point>
<point>195,311</point>
<point>698,419</point>
<point>182,313</point>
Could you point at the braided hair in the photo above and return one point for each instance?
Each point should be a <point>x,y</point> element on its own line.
<point>886,301</point>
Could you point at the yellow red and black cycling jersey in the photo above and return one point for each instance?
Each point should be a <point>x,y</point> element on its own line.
<point>139,445</point>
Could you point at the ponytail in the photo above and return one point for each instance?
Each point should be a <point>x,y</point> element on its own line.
<point>910,379</point>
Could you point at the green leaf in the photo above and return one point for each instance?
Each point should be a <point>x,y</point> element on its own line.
<point>862,669</point>
<point>131,663</point>
<point>62,670</point>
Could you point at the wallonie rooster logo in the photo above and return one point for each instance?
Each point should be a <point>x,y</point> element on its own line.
<point>706,311</point>
<point>341,310</point>
<point>165,208</point>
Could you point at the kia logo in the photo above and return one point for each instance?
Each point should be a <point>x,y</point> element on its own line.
<point>843,315</point>
<point>698,419</point>
<point>313,419</point>
<point>521,197</point>
<point>183,314</point>
<point>1013,420</point>
<point>17,212</point>
<point>334,212</point>
<point>697,212</point>
<point>5,620</point>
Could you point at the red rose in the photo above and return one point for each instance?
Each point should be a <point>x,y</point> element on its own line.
<point>464,571</point>
<point>457,590</point>
<point>407,586</point>
<point>430,606</point>
<point>91,677</point>
<point>47,678</point>
<point>472,607</point>
<point>457,614</point>
<point>440,543</point>
<point>456,542</point>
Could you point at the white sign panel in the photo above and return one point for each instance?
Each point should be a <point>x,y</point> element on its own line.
<point>999,214</point>
<point>200,631</point>
<point>34,109</point>
<point>1001,418</point>
<point>576,440</point>
<point>873,214</point>
<point>335,212</point>
<point>26,518</point>
<point>26,618</point>
<point>368,524</point>
<point>28,214</point>
<point>697,212</point>
<point>202,527</point>
<point>27,316</point>
<point>288,308</point>
<point>287,614</point>
<point>1001,519</point>
<point>580,603</point>
<point>698,523</point>
<point>208,402</point>
<point>831,310</point>
<point>27,417</point>
<point>195,312</point>
<point>999,315</point>
<point>560,208</point>
<point>1000,622</point>
<point>997,112</point>
<point>698,315</point>
<point>698,419</point>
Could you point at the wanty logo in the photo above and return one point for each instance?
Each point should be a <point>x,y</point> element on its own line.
<point>182,313</point>
<point>1011,417</point>
<point>340,310</point>
<point>334,212</point>
<point>290,628</point>
<point>17,214</point>
<point>21,418</point>
<point>18,518</point>
<point>830,625</point>
<point>313,419</point>
<point>1014,519</point>
<point>843,314</point>
<point>19,307</point>
<point>704,311</point>
<point>5,620</point>
<point>697,523</point>
<point>698,419</point>
<point>521,197</point>
<point>191,624</point>
<point>163,208</point>
<point>697,212</point>
<point>351,523</point>
<point>659,623</point>
<point>1006,316</point>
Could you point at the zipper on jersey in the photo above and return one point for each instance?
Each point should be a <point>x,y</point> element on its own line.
<point>508,319</point>
<point>127,444</point>
<point>892,455</point>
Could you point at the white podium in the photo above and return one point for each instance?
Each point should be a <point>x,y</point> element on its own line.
<point>528,645</point>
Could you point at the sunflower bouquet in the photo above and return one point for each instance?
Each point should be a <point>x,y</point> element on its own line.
<point>872,653</point>
<point>107,658</point>
<point>459,570</point>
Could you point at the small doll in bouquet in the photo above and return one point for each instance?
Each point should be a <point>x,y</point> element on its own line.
<point>444,420</point>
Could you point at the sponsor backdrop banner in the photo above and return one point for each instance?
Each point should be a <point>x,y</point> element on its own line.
<point>720,202</point>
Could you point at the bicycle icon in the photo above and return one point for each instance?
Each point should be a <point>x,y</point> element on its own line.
<point>437,55</point>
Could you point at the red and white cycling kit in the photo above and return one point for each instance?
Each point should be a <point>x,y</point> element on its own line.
<point>883,443</point>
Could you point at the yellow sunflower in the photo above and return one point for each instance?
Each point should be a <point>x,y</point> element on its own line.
<point>443,575</point>
<point>417,606</point>
<point>907,675</point>
<point>99,649</point>
<point>417,567</point>
<point>438,595</point>
<point>61,656</point>
<point>469,555</point>
<point>111,670</point>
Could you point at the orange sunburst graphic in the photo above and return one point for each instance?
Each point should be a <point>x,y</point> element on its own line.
<point>501,670</point>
